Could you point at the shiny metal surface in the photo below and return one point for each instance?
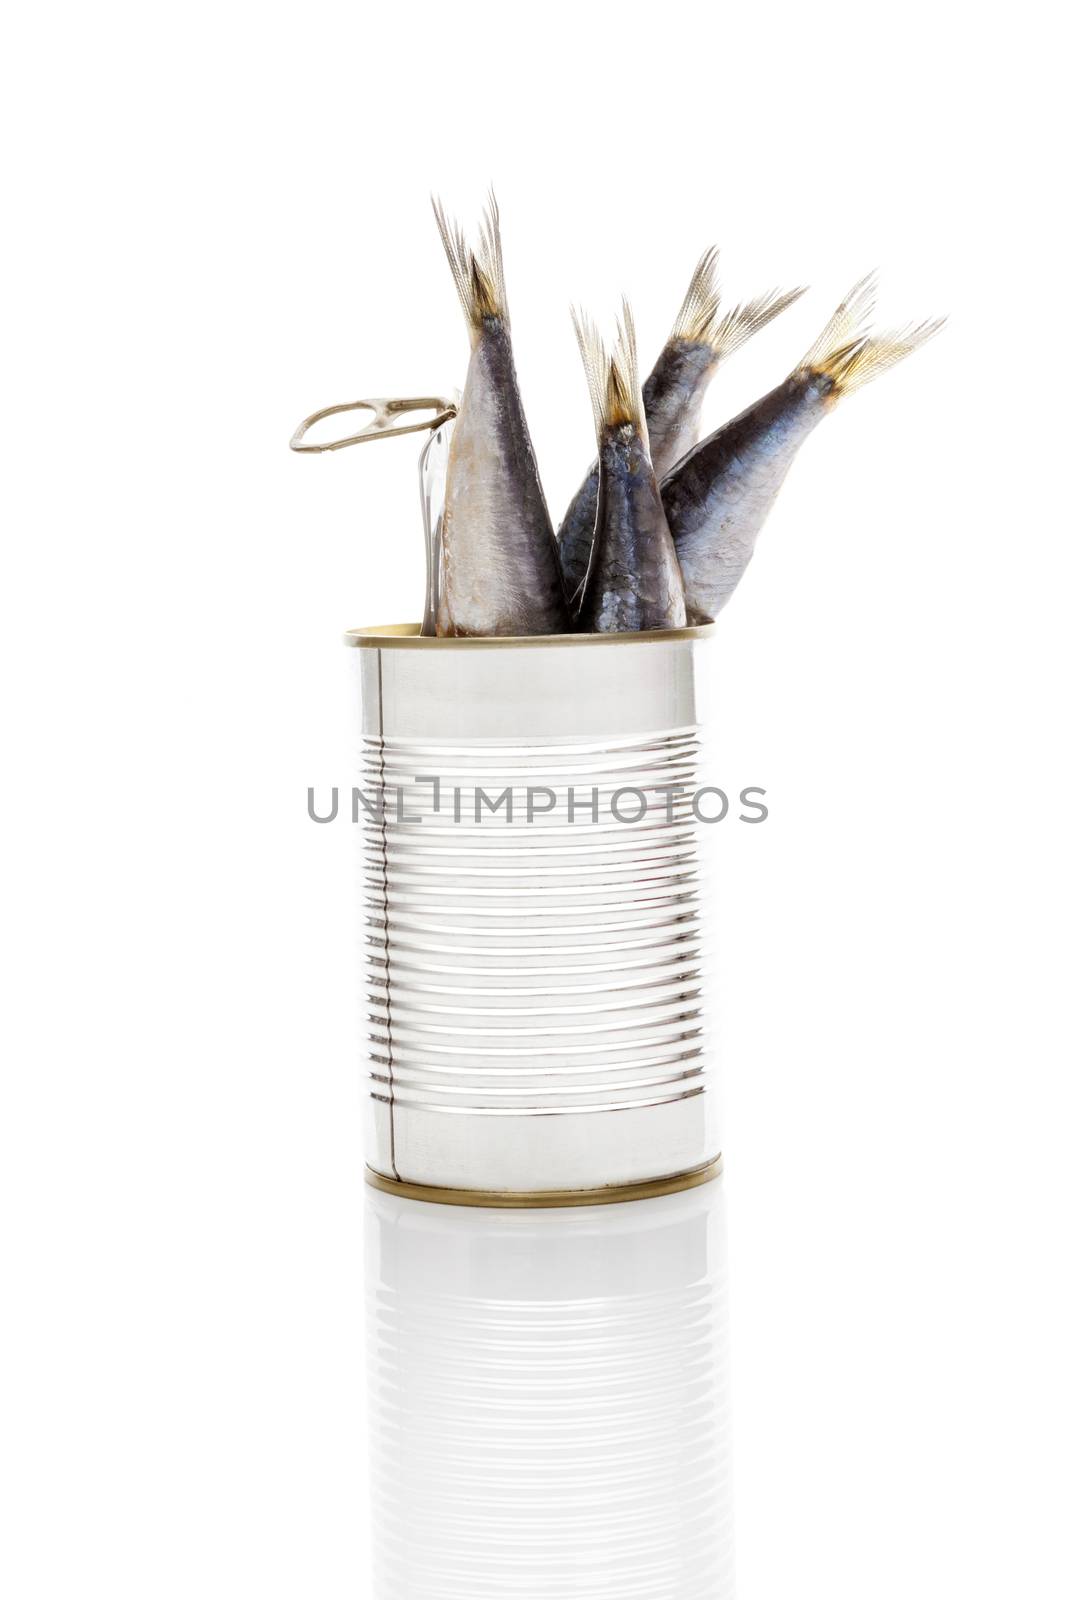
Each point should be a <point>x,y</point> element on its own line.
<point>549,1404</point>
<point>534,985</point>
<point>386,422</point>
<point>542,1199</point>
<point>408,636</point>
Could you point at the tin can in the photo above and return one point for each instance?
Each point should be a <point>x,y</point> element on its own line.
<point>549,1401</point>
<point>533,908</point>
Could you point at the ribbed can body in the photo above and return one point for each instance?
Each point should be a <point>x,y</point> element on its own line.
<point>533,913</point>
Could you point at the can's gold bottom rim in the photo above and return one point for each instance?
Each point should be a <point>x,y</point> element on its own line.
<point>539,1199</point>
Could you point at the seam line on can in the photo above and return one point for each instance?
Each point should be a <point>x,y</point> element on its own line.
<point>386,925</point>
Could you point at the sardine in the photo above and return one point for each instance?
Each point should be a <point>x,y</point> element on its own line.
<point>718,497</point>
<point>673,395</point>
<point>500,565</point>
<point>634,581</point>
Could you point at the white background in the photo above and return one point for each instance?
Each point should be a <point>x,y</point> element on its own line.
<point>218,220</point>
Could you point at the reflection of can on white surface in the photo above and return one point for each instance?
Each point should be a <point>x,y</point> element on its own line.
<point>532,891</point>
<point>549,1401</point>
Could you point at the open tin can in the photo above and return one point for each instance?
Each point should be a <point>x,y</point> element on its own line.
<point>533,916</point>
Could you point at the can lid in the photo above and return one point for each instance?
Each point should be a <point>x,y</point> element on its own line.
<point>408,636</point>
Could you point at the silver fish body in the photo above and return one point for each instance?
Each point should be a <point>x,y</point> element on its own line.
<point>576,534</point>
<point>634,580</point>
<point>500,564</point>
<point>501,572</point>
<point>673,394</point>
<point>718,497</point>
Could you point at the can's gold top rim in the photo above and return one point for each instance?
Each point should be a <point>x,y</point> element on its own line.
<point>406,636</point>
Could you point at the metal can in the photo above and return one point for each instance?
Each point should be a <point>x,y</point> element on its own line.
<point>533,904</point>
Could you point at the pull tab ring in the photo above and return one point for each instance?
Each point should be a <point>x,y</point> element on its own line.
<point>382,425</point>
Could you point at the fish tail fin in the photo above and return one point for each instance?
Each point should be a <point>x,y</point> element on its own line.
<point>614,382</point>
<point>699,320</point>
<point>700,307</point>
<point>741,322</point>
<point>851,368</point>
<point>478,271</point>
<point>849,354</point>
<point>849,324</point>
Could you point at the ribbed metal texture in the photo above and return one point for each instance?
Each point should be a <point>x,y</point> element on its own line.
<point>538,960</point>
<point>549,1407</point>
<point>528,967</point>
